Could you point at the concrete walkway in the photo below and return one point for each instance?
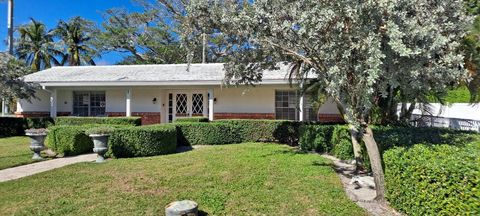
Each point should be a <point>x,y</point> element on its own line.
<point>360,189</point>
<point>38,167</point>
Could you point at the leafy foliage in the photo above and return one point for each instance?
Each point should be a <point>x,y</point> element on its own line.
<point>75,36</point>
<point>11,126</point>
<point>192,119</point>
<point>132,121</point>
<point>434,180</point>
<point>316,138</point>
<point>69,140</point>
<point>198,133</point>
<point>11,83</point>
<point>143,141</point>
<point>37,47</point>
<point>266,130</point>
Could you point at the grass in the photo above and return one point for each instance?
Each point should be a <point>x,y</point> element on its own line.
<point>241,179</point>
<point>15,151</point>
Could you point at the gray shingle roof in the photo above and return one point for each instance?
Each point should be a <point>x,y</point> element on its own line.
<point>143,73</point>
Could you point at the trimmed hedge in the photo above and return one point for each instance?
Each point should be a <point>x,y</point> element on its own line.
<point>143,141</point>
<point>266,130</point>
<point>316,138</point>
<point>13,126</point>
<point>214,133</point>
<point>132,121</point>
<point>192,119</point>
<point>69,140</point>
<point>342,143</point>
<point>434,180</point>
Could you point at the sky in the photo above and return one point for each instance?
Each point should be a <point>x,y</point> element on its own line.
<point>51,11</point>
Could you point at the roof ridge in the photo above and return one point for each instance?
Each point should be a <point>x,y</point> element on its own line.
<point>139,65</point>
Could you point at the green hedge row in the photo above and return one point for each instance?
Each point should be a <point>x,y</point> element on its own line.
<point>69,140</point>
<point>132,121</point>
<point>214,133</point>
<point>143,141</point>
<point>236,131</point>
<point>266,130</point>
<point>12,126</point>
<point>335,139</point>
<point>192,119</point>
<point>434,180</point>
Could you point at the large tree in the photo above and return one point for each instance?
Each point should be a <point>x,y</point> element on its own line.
<point>356,50</point>
<point>37,47</point>
<point>141,35</point>
<point>75,36</point>
<point>11,84</point>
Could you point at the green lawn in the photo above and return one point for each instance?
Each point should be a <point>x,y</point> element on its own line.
<point>15,151</point>
<point>241,179</point>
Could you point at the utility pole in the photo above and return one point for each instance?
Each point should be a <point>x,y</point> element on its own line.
<point>10,46</point>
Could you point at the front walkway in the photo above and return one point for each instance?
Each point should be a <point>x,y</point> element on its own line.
<point>32,169</point>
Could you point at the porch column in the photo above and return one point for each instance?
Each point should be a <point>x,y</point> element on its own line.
<point>128,103</point>
<point>301,108</point>
<point>210,104</point>
<point>53,103</point>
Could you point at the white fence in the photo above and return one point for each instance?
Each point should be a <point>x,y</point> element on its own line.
<point>437,121</point>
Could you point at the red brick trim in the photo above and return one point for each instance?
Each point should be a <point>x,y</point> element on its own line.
<point>334,118</point>
<point>147,117</point>
<point>39,114</point>
<point>244,116</point>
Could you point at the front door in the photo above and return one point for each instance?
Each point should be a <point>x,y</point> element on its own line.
<point>183,104</point>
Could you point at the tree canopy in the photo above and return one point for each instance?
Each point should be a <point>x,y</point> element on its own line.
<point>11,84</point>
<point>355,50</point>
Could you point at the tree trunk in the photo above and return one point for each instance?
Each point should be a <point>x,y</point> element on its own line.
<point>357,149</point>
<point>376,163</point>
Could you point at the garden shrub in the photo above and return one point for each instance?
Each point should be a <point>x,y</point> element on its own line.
<point>192,119</point>
<point>143,141</point>
<point>132,121</point>
<point>215,133</point>
<point>266,130</point>
<point>316,137</point>
<point>13,126</point>
<point>434,180</point>
<point>69,140</point>
<point>342,143</point>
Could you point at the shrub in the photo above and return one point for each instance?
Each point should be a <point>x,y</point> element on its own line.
<point>207,134</point>
<point>101,130</point>
<point>143,141</point>
<point>342,143</point>
<point>13,126</point>
<point>69,140</point>
<point>132,121</point>
<point>316,137</point>
<point>266,130</point>
<point>434,180</point>
<point>192,119</point>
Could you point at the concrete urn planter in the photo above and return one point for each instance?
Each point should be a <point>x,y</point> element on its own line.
<point>37,139</point>
<point>100,146</point>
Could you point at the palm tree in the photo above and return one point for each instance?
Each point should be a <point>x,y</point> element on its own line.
<point>36,46</point>
<point>76,37</point>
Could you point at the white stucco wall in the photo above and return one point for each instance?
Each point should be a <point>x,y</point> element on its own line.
<point>41,103</point>
<point>115,100</point>
<point>142,100</point>
<point>260,99</point>
<point>64,100</point>
<point>329,107</point>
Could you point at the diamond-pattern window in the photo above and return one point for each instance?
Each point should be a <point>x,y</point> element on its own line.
<point>182,109</point>
<point>197,104</point>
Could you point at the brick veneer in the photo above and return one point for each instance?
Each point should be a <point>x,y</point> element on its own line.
<point>147,117</point>
<point>244,116</point>
<point>39,114</point>
<point>332,118</point>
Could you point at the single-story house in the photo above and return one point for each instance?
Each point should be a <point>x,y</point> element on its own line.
<point>163,93</point>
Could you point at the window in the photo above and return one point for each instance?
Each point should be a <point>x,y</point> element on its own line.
<point>197,104</point>
<point>286,105</point>
<point>182,107</point>
<point>89,103</point>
